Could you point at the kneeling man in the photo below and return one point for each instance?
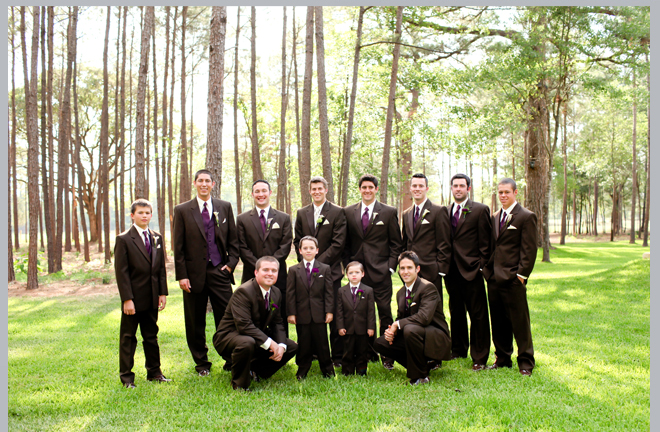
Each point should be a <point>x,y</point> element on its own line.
<point>420,332</point>
<point>252,331</point>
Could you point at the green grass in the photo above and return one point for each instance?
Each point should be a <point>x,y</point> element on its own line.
<point>590,321</point>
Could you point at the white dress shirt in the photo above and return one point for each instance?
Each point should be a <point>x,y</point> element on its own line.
<point>209,205</point>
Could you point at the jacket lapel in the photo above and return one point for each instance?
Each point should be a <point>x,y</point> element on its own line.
<point>427,206</point>
<point>254,216</point>
<point>324,212</point>
<point>139,243</point>
<point>358,218</point>
<point>197,215</point>
<point>374,216</point>
<point>217,222</point>
<point>310,217</point>
<point>302,273</point>
<point>409,222</point>
<point>513,217</point>
<point>270,221</point>
<point>154,245</point>
<point>496,223</point>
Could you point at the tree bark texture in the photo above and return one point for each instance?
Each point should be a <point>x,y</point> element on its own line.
<point>281,166</point>
<point>323,102</point>
<point>237,168</point>
<point>147,28</point>
<point>257,172</point>
<point>215,101</point>
<point>184,180</point>
<point>304,162</point>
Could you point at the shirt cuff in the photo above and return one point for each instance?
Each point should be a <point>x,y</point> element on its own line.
<point>442,274</point>
<point>283,346</point>
<point>524,277</point>
<point>391,271</point>
<point>398,326</point>
<point>266,344</point>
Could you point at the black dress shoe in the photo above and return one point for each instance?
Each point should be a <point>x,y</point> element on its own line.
<point>129,385</point>
<point>476,367</point>
<point>420,381</point>
<point>159,378</point>
<point>526,372</point>
<point>301,377</point>
<point>433,365</point>
<point>235,387</point>
<point>255,377</point>
<point>388,365</point>
<point>204,372</point>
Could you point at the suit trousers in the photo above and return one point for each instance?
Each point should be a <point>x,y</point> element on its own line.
<point>217,288</point>
<point>147,321</point>
<point>336,341</point>
<point>383,299</point>
<point>356,347</point>
<point>247,356</point>
<point>509,314</point>
<point>468,296</point>
<point>313,338</point>
<point>408,349</point>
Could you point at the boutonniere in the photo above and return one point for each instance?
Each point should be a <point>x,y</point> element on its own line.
<point>373,216</point>
<point>271,305</point>
<point>156,240</point>
<point>425,212</point>
<point>409,299</point>
<point>359,293</point>
<point>465,210</point>
<point>315,270</point>
<point>320,219</point>
<point>268,223</point>
<point>508,219</point>
<point>217,219</point>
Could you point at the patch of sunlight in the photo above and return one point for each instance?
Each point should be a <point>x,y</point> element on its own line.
<point>76,423</point>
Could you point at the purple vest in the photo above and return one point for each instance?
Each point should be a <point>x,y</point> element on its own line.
<point>212,248</point>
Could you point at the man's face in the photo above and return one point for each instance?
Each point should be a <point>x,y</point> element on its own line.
<point>506,194</point>
<point>261,194</point>
<point>368,191</point>
<point>204,185</point>
<point>354,274</point>
<point>308,249</point>
<point>459,189</point>
<point>142,216</point>
<point>318,193</point>
<point>266,275</point>
<point>418,189</point>
<point>408,271</point>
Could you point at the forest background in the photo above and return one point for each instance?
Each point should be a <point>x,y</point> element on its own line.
<point>107,104</point>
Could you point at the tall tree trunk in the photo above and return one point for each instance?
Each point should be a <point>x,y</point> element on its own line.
<point>116,132</point>
<point>147,28</point>
<point>281,171</point>
<point>237,169</point>
<point>596,207</point>
<point>634,161</point>
<point>184,181</point>
<point>493,197</point>
<point>11,276</point>
<point>647,197</point>
<point>105,155</point>
<point>32,128</point>
<point>130,121</point>
<point>564,206</point>
<point>390,107</point>
<point>215,99</point>
<point>76,155</point>
<point>170,190</point>
<point>257,172</point>
<point>12,152</point>
<point>147,141</point>
<point>323,102</point>
<point>406,153</point>
<point>122,134</point>
<point>156,146</point>
<point>304,161</point>
<point>297,100</point>
<point>162,223</point>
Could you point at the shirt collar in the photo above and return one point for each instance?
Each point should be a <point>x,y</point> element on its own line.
<point>370,207</point>
<point>263,291</point>
<point>409,288</point>
<point>209,204</point>
<point>311,263</point>
<point>508,211</point>
<point>266,211</point>
<point>462,204</point>
<point>318,208</point>
<point>140,230</point>
<point>421,206</point>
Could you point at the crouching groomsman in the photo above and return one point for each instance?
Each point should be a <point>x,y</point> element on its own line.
<point>140,273</point>
<point>252,331</point>
<point>420,332</point>
<point>470,241</point>
<point>513,254</point>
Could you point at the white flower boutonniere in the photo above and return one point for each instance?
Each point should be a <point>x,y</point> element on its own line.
<point>425,212</point>
<point>217,222</point>
<point>508,219</point>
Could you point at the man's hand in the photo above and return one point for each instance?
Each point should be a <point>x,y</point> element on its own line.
<point>342,332</point>
<point>129,307</point>
<point>226,267</point>
<point>291,319</point>
<point>391,332</point>
<point>184,284</point>
<point>277,351</point>
<point>162,301</point>
<point>370,332</point>
<point>328,318</point>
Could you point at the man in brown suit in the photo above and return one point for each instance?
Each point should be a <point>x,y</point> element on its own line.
<point>374,239</point>
<point>470,241</point>
<point>252,331</point>
<point>325,221</point>
<point>205,256</point>
<point>140,272</point>
<point>264,231</point>
<point>420,332</point>
<point>513,254</point>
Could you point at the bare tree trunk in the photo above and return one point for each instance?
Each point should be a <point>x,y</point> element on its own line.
<point>12,149</point>
<point>257,172</point>
<point>159,191</point>
<point>122,136</point>
<point>184,181</point>
<point>493,196</point>
<point>116,132</point>
<point>76,154</point>
<point>297,101</point>
<point>596,207</point>
<point>564,206</point>
<point>304,161</point>
<point>147,28</point>
<point>32,128</point>
<point>161,204</point>
<point>647,197</point>
<point>170,190</point>
<point>215,100</point>
<point>406,153</point>
<point>281,170</point>
<point>130,121</point>
<point>237,169</point>
<point>390,108</point>
<point>11,276</point>
<point>634,161</point>
<point>103,183</point>
<point>147,141</point>
<point>323,102</point>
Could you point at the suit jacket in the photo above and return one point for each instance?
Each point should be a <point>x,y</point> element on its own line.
<point>309,303</point>
<point>140,276</point>
<point>246,315</point>
<point>253,244</point>
<point>190,246</point>
<point>430,239</point>
<point>330,233</point>
<point>425,310</point>
<point>356,317</point>
<point>378,249</point>
<point>471,241</point>
<point>513,251</point>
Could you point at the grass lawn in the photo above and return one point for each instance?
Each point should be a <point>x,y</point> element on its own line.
<point>590,321</point>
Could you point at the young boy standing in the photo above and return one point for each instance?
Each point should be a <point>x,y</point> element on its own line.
<point>140,273</point>
<point>309,304</point>
<point>356,320</point>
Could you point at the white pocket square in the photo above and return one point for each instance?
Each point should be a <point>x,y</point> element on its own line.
<point>325,222</point>
<point>511,227</point>
<point>380,223</point>
<point>320,276</point>
<point>158,247</point>
<point>224,220</point>
<point>424,221</point>
<point>412,304</point>
<point>275,226</point>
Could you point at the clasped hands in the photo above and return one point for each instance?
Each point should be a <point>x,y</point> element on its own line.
<point>391,332</point>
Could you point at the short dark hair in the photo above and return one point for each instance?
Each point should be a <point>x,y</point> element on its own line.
<point>422,176</point>
<point>509,181</point>
<point>141,202</point>
<point>368,177</point>
<point>310,238</point>
<point>204,171</point>
<point>460,176</point>
<point>354,264</point>
<point>266,258</point>
<point>260,181</point>
<point>412,256</point>
<point>317,179</point>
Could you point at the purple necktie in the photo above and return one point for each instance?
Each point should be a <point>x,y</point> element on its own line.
<point>503,221</point>
<point>365,219</point>
<point>354,291</point>
<point>454,219</point>
<point>266,301</point>
<point>309,275</point>
<point>147,244</point>
<point>415,217</point>
<point>262,218</point>
<point>205,216</point>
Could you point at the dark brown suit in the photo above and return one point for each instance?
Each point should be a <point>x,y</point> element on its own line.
<point>513,251</point>
<point>423,332</point>
<point>141,278</point>
<point>356,317</point>
<point>206,281</point>
<point>470,243</point>
<point>309,304</point>
<point>247,325</point>
<point>378,250</point>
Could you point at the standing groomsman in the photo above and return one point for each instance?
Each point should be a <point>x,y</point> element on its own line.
<point>205,256</point>
<point>470,242</point>
<point>264,231</point>
<point>507,273</point>
<point>326,222</point>
<point>374,239</point>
